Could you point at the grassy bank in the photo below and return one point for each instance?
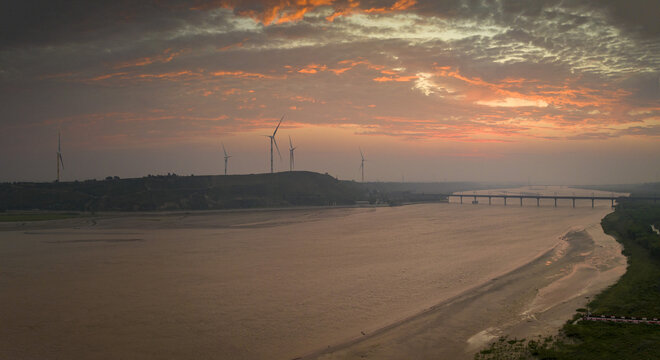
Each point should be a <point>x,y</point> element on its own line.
<point>636,294</point>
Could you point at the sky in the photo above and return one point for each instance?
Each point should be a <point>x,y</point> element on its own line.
<point>547,92</point>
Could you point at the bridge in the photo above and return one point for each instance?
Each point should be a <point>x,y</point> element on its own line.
<point>554,197</point>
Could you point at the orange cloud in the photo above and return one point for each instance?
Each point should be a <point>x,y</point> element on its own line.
<point>168,75</point>
<point>243,74</point>
<point>108,76</point>
<point>396,78</point>
<point>283,11</point>
<point>231,91</point>
<point>354,7</point>
<point>312,69</point>
<point>529,92</point>
<point>182,74</point>
<point>467,131</point>
<point>346,65</point>
<point>234,45</point>
<point>304,99</point>
<point>165,57</point>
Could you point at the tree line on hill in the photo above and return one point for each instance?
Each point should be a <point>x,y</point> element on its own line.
<point>183,193</point>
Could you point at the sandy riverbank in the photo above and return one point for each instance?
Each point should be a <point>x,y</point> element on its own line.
<point>254,285</point>
<point>533,299</point>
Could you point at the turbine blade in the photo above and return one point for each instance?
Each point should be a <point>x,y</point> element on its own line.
<point>278,125</point>
<point>361,154</point>
<point>276,147</point>
<point>223,148</point>
<point>61,161</point>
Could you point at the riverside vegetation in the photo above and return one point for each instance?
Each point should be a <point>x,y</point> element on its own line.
<point>172,192</point>
<point>211,192</point>
<point>636,294</point>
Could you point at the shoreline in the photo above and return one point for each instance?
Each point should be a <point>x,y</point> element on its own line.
<point>533,299</point>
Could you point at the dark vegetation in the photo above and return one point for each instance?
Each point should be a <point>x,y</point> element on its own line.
<point>636,294</point>
<point>172,192</point>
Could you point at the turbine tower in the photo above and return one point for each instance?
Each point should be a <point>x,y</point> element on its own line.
<point>291,159</point>
<point>226,156</point>
<point>272,140</point>
<point>362,164</point>
<point>58,159</point>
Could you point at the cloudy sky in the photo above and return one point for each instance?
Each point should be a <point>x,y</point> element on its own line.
<point>550,91</point>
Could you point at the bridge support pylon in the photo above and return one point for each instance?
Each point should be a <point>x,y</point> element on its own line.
<point>573,202</point>
<point>555,202</point>
<point>489,198</point>
<point>592,203</point>
<point>504,200</point>
<point>521,201</point>
<point>538,202</point>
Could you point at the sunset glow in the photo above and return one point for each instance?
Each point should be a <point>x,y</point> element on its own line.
<point>459,91</point>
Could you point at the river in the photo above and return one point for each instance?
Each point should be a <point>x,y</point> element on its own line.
<point>263,284</point>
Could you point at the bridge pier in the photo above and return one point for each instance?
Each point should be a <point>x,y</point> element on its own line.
<point>592,203</point>
<point>573,202</point>
<point>612,203</point>
<point>461,196</point>
<point>521,201</point>
<point>555,201</point>
<point>489,198</point>
<point>538,202</point>
<point>475,200</point>
<point>504,200</point>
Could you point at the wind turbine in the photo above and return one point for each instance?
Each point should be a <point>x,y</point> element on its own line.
<point>226,156</point>
<point>291,159</point>
<point>272,140</point>
<point>362,163</point>
<point>58,159</point>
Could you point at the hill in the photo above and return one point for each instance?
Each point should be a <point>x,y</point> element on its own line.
<point>172,192</point>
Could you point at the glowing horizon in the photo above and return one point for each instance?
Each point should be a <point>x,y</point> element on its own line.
<point>488,92</point>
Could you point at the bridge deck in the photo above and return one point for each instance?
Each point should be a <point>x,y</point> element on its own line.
<point>538,198</point>
<point>528,196</point>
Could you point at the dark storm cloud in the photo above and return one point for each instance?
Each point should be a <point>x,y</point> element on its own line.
<point>637,16</point>
<point>46,22</point>
<point>52,22</point>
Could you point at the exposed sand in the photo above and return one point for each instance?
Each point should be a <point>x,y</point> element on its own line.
<point>533,299</point>
<point>434,280</point>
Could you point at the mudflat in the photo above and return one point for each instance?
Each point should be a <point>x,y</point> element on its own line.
<point>412,281</point>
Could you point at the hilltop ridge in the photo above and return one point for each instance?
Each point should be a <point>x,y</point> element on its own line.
<point>172,192</point>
